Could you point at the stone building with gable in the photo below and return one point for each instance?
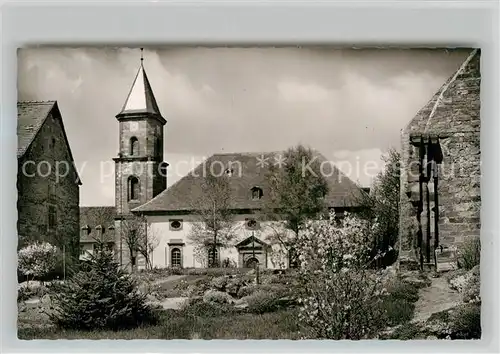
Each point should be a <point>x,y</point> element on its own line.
<point>440,179</point>
<point>47,180</point>
<point>168,215</point>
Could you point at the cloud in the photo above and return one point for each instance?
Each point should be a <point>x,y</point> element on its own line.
<point>295,92</point>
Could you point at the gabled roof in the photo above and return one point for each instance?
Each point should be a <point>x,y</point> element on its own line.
<point>455,107</point>
<point>182,195</point>
<point>92,217</point>
<point>140,99</point>
<point>249,241</point>
<point>31,115</point>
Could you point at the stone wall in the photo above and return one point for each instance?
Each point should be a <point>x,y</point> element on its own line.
<point>451,120</point>
<point>41,190</point>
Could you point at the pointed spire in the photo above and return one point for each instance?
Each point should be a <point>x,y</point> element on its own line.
<point>140,98</point>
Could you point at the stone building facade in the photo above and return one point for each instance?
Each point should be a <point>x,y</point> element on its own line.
<point>48,183</point>
<point>165,217</point>
<point>440,179</point>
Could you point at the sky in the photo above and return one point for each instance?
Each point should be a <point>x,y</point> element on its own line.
<point>349,104</point>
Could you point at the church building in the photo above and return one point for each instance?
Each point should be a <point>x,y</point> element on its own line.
<point>169,216</point>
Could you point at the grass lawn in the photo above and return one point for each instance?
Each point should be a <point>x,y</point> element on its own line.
<point>181,325</point>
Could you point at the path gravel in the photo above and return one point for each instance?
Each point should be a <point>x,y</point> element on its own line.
<point>435,298</point>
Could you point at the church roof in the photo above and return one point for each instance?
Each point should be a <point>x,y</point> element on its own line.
<point>182,195</point>
<point>140,98</point>
<point>455,106</point>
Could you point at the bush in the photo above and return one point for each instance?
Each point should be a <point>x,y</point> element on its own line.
<point>34,290</point>
<point>246,290</point>
<point>469,253</point>
<point>466,322</point>
<point>219,283</point>
<point>339,297</point>
<point>207,309</point>
<point>262,301</point>
<point>103,297</point>
<point>214,296</point>
<point>471,289</point>
<point>398,305</point>
<point>38,259</point>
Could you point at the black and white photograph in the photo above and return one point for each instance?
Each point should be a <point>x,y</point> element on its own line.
<point>293,192</point>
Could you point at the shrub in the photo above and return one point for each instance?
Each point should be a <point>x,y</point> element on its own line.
<point>219,283</point>
<point>27,292</point>
<point>103,297</point>
<point>37,260</point>
<point>214,296</point>
<point>471,289</point>
<point>469,253</point>
<point>262,301</point>
<point>338,296</point>
<point>466,322</point>
<point>246,290</point>
<point>207,309</point>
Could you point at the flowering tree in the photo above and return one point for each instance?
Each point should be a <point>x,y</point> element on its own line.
<point>37,259</point>
<point>338,294</point>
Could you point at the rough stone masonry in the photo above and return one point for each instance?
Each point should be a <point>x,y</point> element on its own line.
<point>440,160</point>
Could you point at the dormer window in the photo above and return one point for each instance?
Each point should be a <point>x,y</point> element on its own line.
<point>256,193</point>
<point>86,229</point>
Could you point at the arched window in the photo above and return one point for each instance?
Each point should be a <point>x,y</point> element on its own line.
<point>134,146</point>
<point>175,258</point>
<point>133,188</point>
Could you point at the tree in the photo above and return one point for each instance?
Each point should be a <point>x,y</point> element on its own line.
<point>139,238</point>
<point>37,260</point>
<point>102,297</point>
<point>339,296</point>
<point>297,192</point>
<point>382,205</point>
<point>213,212</point>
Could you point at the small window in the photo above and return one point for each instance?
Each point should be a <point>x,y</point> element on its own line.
<point>52,192</point>
<point>52,143</point>
<point>176,258</point>
<point>134,146</point>
<point>82,250</point>
<point>256,193</point>
<point>52,217</point>
<point>176,225</point>
<point>252,224</point>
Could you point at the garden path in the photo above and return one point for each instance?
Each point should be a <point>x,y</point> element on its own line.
<point>435,298</point>
<point>168,279</point>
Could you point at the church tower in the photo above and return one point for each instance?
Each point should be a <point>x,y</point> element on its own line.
<point>140,171</point>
